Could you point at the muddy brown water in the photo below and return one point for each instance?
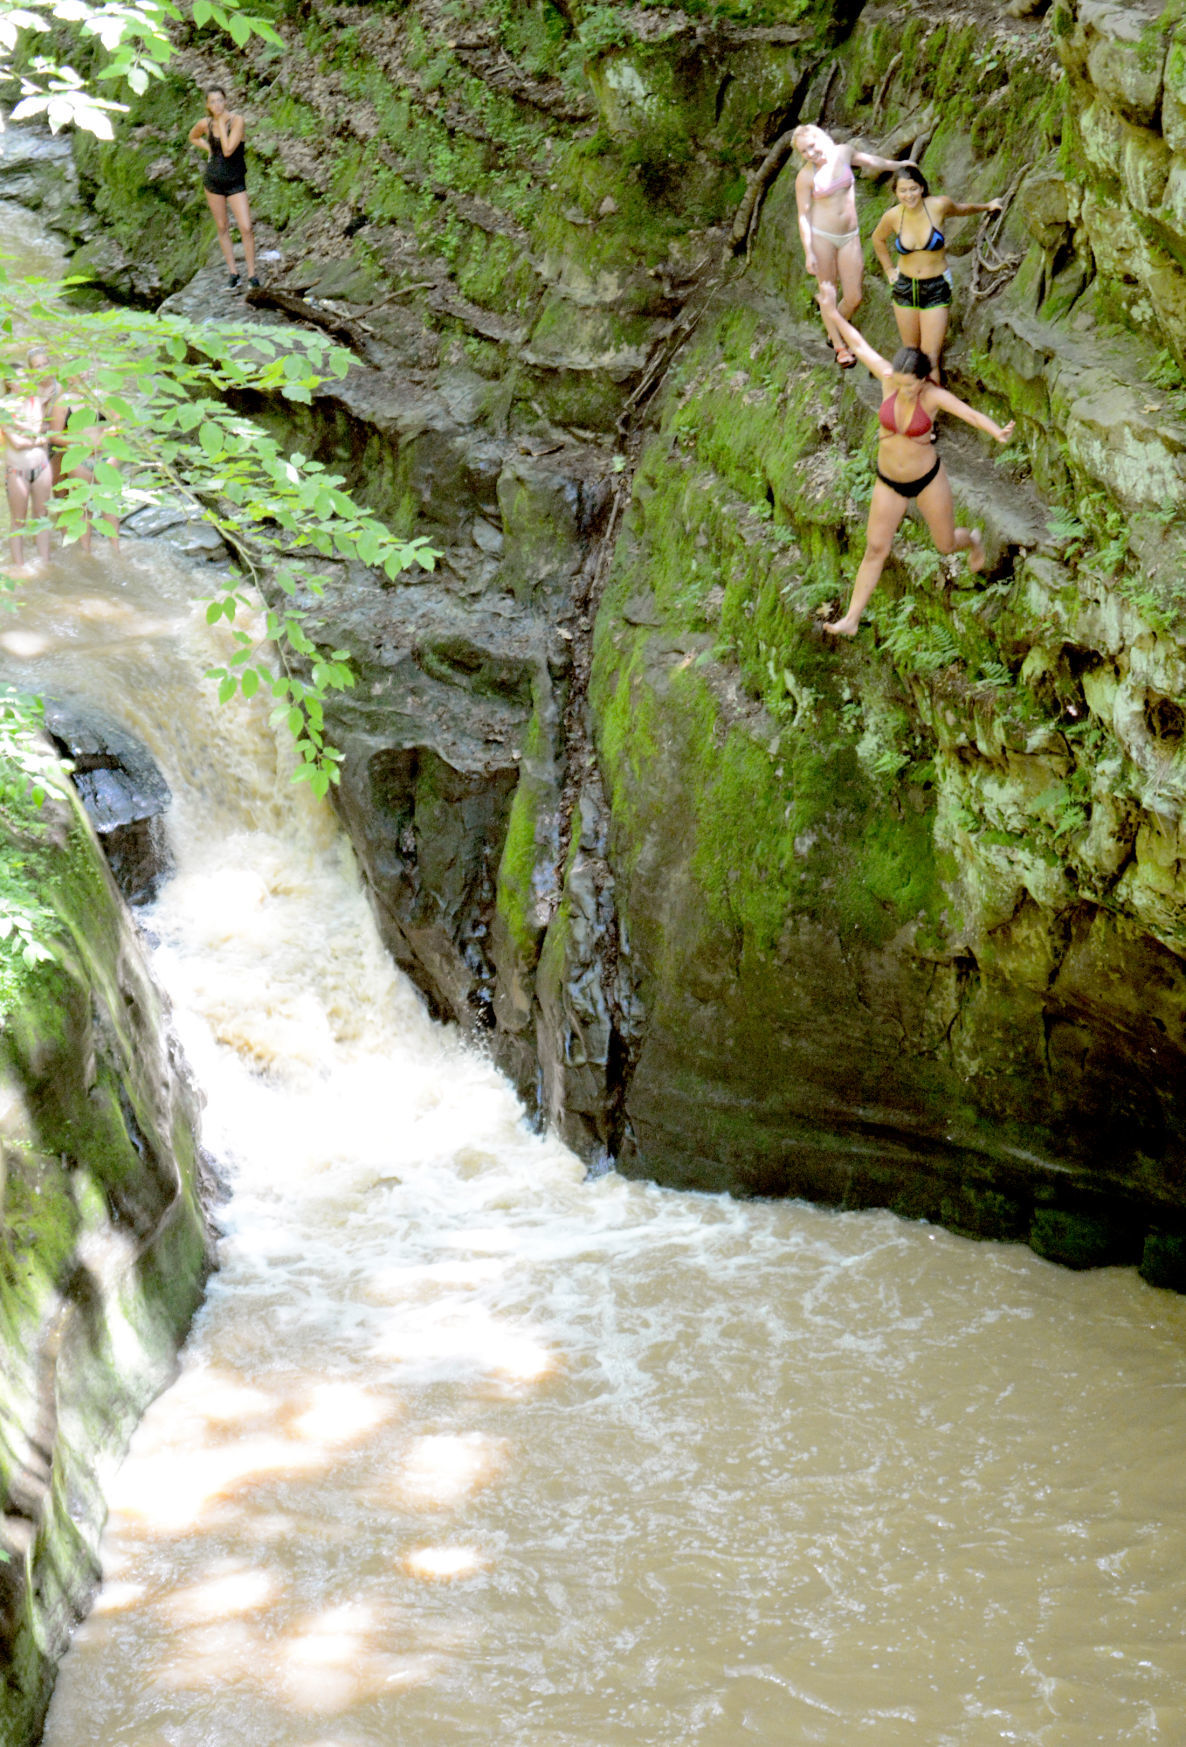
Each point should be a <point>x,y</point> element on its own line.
<point>467,1449</point>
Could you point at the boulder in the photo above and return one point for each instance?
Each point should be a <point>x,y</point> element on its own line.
<point>125,796</point>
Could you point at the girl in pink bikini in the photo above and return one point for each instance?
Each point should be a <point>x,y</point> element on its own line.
<point>908,468</point>
<point>828,220</point>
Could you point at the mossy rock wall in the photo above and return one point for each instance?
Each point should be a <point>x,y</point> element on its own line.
<point>896,922</point>
<point>105,1245</point>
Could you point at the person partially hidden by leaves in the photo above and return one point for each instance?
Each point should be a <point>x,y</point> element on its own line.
<point>28,473</point>
<point>220,135</point>
<point>77,432</point>
<point>909,470</point>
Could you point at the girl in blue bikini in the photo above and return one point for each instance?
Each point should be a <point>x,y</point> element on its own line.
<point>908,468</point>
<point>919,281</point>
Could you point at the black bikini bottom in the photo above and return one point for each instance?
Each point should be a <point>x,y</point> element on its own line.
<point>911,487</point>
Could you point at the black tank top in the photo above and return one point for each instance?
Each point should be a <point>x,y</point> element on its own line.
<point>225,169</point>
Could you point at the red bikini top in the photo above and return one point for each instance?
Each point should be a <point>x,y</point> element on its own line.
<point>887,414</point>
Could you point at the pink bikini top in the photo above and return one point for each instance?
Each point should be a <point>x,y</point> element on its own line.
<point>887,413</point>
<point>844,181</point>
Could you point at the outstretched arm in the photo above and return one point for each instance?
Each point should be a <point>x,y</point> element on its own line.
<point>943,400</point>
<point>964,208</point>
<point>853,338</point>
<point>870,161</point>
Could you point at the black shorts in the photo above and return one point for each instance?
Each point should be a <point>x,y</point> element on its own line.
<point>933,293</point>
<point>911,487</point>
<point>225,188</point>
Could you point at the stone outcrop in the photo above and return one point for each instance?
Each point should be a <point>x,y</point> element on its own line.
<point>124,794</point>
<point>105,1242</point>
<point>898,923</point>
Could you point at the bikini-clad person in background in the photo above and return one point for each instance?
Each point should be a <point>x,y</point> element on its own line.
<point>220,135</point>
<point>75,425</point>
<point>917,270</point>
<point>908,468</point>
<point>828,225</point>
<point>28,473</point>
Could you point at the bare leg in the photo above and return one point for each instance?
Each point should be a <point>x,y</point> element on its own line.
<point>885,516</point>
<point>909,326</point>
<point>851,260</point>
<point>826,261</point>
<point>933,328</point>
<point>18,509</point>
<point>238,205</point>
<point>939,512</point>
<point>217,204</point>
<point>39,498</point>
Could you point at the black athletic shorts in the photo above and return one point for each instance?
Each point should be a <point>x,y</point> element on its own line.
<point>933,293</point>
<point>224,185</point>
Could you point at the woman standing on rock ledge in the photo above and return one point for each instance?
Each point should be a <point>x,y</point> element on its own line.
<point>220,135</point>
<point>828,225</point>
<point>919,280</point>
<point>908,468</point>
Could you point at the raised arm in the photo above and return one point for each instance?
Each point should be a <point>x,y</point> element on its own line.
<point>231,130</point>
<point>941,399</point>
<point>803,183</point>
<point>881,237</point>
<point>853,338</point>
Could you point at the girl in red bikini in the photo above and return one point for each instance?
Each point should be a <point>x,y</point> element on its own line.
<point>908,468</point>
<point>828,219</point>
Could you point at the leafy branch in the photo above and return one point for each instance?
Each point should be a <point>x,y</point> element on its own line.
<point>134,35</point>
<point>164,427</point>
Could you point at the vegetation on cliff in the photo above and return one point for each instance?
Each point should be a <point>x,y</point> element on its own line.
<point>960,837</point>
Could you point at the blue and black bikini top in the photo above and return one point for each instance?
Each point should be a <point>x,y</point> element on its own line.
<point>936,240</point>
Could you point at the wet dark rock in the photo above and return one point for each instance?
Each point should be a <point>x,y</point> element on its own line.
<point>37,171</point>
<point>124,794</point>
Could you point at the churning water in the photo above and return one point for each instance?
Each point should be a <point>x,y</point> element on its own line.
<point>466,1449</point>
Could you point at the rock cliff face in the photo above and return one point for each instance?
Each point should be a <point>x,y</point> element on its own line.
<point>897,923</point>
<point>105,1245</point>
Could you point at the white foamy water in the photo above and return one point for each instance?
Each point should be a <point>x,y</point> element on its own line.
<point>465,1449</point>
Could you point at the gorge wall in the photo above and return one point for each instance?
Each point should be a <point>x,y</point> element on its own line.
<point>900,923</point>
<point>105,1246</point>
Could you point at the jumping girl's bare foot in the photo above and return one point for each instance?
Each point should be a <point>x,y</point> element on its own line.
<point>842,627</point>
<point>977,558</point>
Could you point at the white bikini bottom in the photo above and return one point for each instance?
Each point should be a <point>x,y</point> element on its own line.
<point>837,242</point>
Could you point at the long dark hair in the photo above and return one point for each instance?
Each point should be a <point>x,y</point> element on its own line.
<point>910,361</point>
<point>912,173</point>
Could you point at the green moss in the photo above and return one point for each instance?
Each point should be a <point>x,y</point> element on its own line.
<point>494,272</point>
<point>523,854</point>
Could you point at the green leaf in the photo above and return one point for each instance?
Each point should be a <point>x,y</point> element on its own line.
<point>210,437</point>
<point>227,689</point>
